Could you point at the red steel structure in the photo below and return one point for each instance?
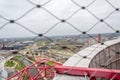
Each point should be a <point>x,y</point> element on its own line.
<point>45,69</point>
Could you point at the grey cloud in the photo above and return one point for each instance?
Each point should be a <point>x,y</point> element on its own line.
<point>40,21</point>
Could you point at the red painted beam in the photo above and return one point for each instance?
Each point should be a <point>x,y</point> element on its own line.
<point>42,68</point>
<point>92,72</point>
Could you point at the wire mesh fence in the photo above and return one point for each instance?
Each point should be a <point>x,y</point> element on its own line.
<point>37,20</point>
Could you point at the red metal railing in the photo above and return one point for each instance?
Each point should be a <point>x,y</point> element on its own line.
<point>98,73</point>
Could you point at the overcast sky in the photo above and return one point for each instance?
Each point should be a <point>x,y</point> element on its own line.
<point>39,21</point>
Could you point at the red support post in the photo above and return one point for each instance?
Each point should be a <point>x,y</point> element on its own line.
<point>45,74</point>
<point>99,38</point>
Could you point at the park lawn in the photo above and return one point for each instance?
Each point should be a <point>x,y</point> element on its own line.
<point>10,63</point>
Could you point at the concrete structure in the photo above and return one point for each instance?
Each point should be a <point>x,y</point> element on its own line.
<point>3,73</point>
<point>106,55</point>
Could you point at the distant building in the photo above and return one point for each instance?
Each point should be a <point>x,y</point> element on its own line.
<point>17,45</point>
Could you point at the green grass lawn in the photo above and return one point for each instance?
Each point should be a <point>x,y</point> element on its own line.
<point>9,64</point>
<point>39,43</point>
<point>20,65</point>
<point>50,63</point>
<point>19,56</point>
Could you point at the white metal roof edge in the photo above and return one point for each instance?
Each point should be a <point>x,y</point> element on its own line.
<point>78,60</point>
